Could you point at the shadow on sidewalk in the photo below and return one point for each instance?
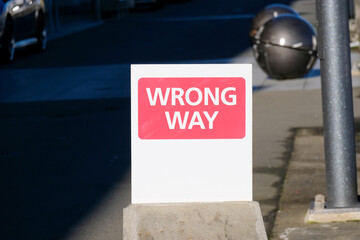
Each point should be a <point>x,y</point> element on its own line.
<point>58,161</point>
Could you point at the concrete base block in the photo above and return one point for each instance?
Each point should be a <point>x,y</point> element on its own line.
<point>319,213</point>
<point>197,221</point>
<point>332,215</point>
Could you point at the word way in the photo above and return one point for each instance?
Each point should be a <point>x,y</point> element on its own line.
<point>196,120</point>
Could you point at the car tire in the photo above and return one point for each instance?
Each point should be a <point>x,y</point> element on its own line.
<point>41,34</point>
<point>7,52</point>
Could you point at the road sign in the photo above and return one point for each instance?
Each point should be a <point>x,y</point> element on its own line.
<point>191,133</point>
<point>191,108</point>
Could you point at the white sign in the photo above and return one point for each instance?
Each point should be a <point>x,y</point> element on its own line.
<point>191,133</point>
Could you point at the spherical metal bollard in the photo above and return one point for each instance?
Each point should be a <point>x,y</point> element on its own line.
<point>285,47</point>
<point>269,12</point>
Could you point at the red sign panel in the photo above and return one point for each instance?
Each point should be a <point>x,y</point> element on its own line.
<point>191,108</point>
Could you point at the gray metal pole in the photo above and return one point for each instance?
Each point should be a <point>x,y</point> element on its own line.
<point>351,9</point>
<point>334,55</point>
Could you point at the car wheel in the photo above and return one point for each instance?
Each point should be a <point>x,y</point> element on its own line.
<point>8,43</point>
<point>41,34</point>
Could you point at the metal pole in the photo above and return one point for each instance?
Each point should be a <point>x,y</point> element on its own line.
<point>351,9</point>
<point>334,55</point>
<point>357,17</point>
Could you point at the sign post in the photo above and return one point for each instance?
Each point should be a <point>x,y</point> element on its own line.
<point>192,153</point>
<point>334,55</point>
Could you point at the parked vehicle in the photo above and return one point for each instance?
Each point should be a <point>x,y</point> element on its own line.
<point>22,23</point>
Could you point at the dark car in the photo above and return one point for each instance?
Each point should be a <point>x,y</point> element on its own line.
<point>22,23</point>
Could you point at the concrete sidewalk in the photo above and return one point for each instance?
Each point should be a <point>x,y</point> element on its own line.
<point>276,115</point>
<point>304,179</point>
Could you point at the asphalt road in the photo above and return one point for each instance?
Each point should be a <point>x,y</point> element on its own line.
<point>63,162</point>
